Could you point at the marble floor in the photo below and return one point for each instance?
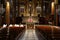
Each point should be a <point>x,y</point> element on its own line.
<point>29,35</point>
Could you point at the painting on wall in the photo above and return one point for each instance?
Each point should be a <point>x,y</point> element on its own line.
<point>22,9</point>
<point>38,9</point>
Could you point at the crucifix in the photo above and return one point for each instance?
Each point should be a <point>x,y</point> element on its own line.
<point>30,9</point>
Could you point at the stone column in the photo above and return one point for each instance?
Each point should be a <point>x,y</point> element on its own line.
<point>56,14</point>
<point>7,13</point>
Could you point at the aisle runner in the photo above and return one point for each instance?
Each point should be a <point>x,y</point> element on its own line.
<point>29,35</point>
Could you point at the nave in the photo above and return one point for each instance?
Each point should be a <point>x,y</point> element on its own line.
<point>43,15</point>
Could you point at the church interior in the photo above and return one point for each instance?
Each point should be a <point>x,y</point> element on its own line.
<point>29,19</point>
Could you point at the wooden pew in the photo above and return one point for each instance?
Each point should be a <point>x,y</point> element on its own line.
<point>47,31</point>
<point>13,33</point>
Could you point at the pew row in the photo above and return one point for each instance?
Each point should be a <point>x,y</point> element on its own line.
<point>49,32</point>
<point>10,33</point>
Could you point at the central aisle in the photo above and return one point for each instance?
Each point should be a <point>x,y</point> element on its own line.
<point>29,35</point>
